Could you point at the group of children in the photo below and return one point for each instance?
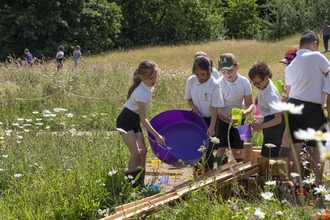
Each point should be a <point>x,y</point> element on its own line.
<point>213,97</point>
<point>59,58</point>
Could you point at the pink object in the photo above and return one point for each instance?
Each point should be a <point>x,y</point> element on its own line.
<point>245,131</point>
<point>256,112</point>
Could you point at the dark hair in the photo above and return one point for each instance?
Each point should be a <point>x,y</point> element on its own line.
<point>203,63</point>
<point>61,48</point>
<point>260,69</point>
<point>144,71</point>
<point>308,37</point>
<point>203,54</point>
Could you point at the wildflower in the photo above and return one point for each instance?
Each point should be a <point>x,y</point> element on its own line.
<point>113,172</point>
<point>287,107</point>
<point>259,213</point>
<point>267,195</point>
<point>18,175</point>
<point>309,180</point>
<point>60,110</point>
<point>121,131</point>
<point>202,148</point>
<point>15,124</point>
<point>327,197</point>
<point>28,120</point>
<point>35,112</point>
<point>39,119</point>
<point>269,145</point>
<point>215,140</point>
<point>279,213</point>
<point>291,163</point>
<point>311,134</point>
<point>20,119</point>
<point>53,115</point>
<point>294,175</point>
<point>69,115</point>
<point>246,208</point>
<point>321,189</point>
<point>47,127</point>
<point>26,130</point>
<point>4,155</point>
<point>98,181</point>
<point>1,169</point>
<point>271,183</point>
<point>271,162</point>
<point>324,150</point>
<point>305,164</point>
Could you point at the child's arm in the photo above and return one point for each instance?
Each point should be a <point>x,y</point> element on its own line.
<point>192,106</point>
<point>222,116</point>
<point>145,122</point>
<point>248,105</point>
<point>211,130</point>
<point>275,121</point>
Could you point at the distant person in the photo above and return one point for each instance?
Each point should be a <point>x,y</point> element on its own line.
<point>325,33</point>
<point>76,55</point>
<point>273,124</point>
<point>304,79</point>
<point>28,57</point>
<point>203,96</point>
<point>133,114</point>
<point>60,57</point>
<point>236,92</point>
<point>214,71</point>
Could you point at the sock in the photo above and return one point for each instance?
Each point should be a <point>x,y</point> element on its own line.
<point>284,152</point>
<point>222,160</point>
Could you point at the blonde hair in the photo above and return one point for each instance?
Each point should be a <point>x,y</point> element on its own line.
<point>144,71</point>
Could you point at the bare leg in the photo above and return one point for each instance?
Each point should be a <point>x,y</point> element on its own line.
<point>142,149</point>
<point>131,142</point>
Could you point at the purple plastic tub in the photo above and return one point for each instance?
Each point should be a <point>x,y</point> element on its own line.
<point>184,133</point>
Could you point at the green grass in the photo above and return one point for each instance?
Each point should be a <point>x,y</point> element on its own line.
<point>63,158</point>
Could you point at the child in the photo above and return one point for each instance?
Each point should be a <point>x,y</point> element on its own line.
<point>59,57</point>
<point>203,96</point>
<point>134,112</point>
<point>214,71</point>
<point>235,91</point>
<point>76,55</point>
<point>273,125</point>
<point>28,57</point>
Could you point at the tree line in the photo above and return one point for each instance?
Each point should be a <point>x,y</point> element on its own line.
<point>105,25</point>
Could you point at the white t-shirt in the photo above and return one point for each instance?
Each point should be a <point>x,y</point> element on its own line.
<point>306,76</point>
<point>266,96</point>
<point>215,73</point>
<point>205,95</point>
<point>326,87</point>
<point>60,55</point>
<point>233,93</point>
<point>142,93</point>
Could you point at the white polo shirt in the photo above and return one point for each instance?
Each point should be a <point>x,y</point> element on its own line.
<point>205,95</point>
<point>306,76</point>
<point>233,93</point>
<point>266,96</point>
<point>326,87</point>
<point>142,93</point>
<point>215,73</point>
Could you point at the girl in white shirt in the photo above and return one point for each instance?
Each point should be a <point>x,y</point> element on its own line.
<point>134,112</point>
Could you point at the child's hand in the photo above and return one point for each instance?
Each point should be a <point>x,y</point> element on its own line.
<point>256,126</point>
<point>195,110</point>
<point>210,132</point>
<point>160,140</point>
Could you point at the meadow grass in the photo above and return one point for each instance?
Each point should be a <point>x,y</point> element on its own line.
<point>61,156</point>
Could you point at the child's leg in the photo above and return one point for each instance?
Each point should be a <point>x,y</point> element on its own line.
<point>131,142</point>
<point>142,149</point>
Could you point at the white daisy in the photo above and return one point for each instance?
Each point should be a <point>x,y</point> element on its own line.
<point>287,107</point>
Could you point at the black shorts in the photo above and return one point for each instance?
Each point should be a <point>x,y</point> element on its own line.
<point>272,135</point>
<point>234,137</point>
<point>128,121</point>
<point>312,117</point>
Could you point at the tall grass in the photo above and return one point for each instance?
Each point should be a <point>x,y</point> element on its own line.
<point>60,156</point>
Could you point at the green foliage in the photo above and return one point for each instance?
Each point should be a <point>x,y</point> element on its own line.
<point>241,19</point>
<point>287,17</point>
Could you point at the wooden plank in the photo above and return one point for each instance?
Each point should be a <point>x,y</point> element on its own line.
<point>149,205</point>
<point>238,177</point>
<point>160,172</point>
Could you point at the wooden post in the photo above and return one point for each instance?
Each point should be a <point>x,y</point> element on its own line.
<point>247,153</point>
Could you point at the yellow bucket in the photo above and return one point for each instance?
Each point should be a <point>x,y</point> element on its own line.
<point>156,163</point>
<point>237,114</point>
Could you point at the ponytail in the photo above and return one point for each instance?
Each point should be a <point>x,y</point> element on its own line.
<point>136,83</point>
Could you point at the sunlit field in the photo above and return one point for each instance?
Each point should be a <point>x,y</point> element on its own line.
<point>62,158</point>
